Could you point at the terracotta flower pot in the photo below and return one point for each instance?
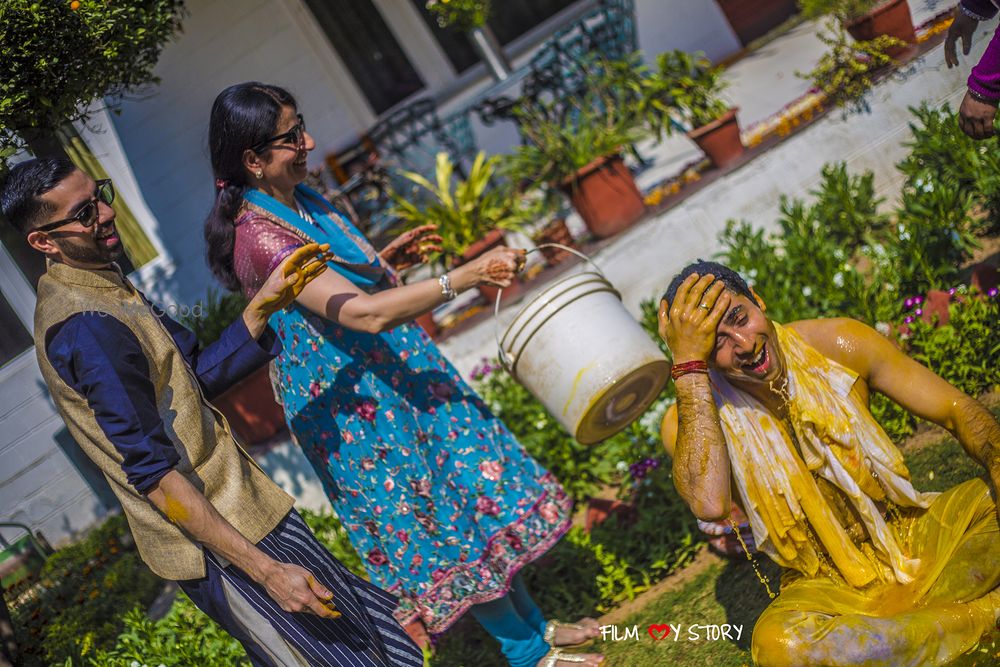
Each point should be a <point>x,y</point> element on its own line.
<point>751,19</point>
<point>427,323</point>
<point>493,239</point>
<point>891,18</point>
<point>600,510</point>
<point>555,232</point>
<point>250,408</point>
<point>605,195</point>
<point>720,139</point>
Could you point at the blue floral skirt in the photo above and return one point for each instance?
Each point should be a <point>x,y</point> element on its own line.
<point>441,502</point>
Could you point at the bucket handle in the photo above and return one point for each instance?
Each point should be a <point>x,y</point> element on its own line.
<point>501,355</point>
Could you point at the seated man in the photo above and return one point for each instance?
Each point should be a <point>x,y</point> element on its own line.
<point>877,572</point>
<point>133,389</point>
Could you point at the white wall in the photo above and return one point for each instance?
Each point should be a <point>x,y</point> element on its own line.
<point>664,25</point>
<point>45,481</point>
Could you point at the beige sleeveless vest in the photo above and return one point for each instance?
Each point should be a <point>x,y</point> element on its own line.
<point>209,455</point>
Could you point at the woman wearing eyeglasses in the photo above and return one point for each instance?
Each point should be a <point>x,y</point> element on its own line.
<point>441,502</point>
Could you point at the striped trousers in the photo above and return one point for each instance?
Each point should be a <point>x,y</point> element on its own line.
<point>365,635</point>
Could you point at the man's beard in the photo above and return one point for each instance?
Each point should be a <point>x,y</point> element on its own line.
<point>94,254</point>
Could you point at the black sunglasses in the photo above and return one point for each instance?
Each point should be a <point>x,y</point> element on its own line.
<point>87,216</point>
<point>293,136</point>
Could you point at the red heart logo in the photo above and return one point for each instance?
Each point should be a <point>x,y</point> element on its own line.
<point>655,630</point>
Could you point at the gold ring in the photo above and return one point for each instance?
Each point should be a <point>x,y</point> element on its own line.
<point>701,305</point>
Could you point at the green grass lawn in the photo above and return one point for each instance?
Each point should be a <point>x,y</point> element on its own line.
<point>724,593</point>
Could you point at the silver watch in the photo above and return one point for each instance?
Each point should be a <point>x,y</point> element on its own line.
<point>447,290</point>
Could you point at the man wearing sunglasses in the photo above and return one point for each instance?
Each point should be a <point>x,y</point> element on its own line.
<point>133,389</point>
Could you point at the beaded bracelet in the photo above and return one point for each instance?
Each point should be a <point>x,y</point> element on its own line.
<point>982,98</point>
<point>696,366</point>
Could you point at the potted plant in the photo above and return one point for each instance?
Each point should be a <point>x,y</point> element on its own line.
<point>689,83</point>
<point>248,405</point>
<point>578,149</point>
<point>470,17</point>
<point>554,231</point>
<point>847,70</point>
<point>470,214</point>
<point>552,228</point>
<point>866,20</point>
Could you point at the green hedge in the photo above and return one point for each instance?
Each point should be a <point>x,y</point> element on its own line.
<point>75,605</point>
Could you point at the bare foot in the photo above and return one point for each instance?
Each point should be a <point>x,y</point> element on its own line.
<point>569,636</point>
<point>574,660</point>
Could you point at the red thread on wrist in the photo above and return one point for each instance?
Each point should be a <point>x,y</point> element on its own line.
<point>687,367</point>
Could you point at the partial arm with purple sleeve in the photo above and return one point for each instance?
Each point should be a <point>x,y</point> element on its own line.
<point>984,80</point>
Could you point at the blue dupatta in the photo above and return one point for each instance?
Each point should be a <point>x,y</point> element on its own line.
<point>352,255</point>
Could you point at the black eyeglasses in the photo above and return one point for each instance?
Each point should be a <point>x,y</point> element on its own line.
<point>104,192</point>
<point>293,136</point>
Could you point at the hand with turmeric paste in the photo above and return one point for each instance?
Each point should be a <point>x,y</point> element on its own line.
<point>689,324</point>
<point>294,588</point>
<point>284,284</point>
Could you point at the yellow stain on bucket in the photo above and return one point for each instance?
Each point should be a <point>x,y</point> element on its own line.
<point>576,385</point>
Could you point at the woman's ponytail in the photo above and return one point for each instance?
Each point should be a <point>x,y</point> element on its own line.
<point>243,115</point>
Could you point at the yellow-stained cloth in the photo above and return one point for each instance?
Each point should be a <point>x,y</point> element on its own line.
<point>913,589</point>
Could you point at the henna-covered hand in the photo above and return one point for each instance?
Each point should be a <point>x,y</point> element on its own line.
<point>412,247</point>
<point>689,326</point>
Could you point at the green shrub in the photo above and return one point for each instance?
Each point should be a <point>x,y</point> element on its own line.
<point>582,469</point>
<point>799,271</point>
<point>219,310</point>
<point>965,352</point>
<point>688,84</point>
<point>185,637</point>
<point>848,208</point>
<point>812,265</point>
<point>77,603</point>
<point>941,153</point>
<point>934,236</point>
<point>56,58</point>
<point>808,267</point>
<point>848,70</point>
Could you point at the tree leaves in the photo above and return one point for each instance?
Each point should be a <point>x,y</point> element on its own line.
<point>55,60</point>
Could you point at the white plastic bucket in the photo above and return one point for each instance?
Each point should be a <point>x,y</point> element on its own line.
<point>580,353</point>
